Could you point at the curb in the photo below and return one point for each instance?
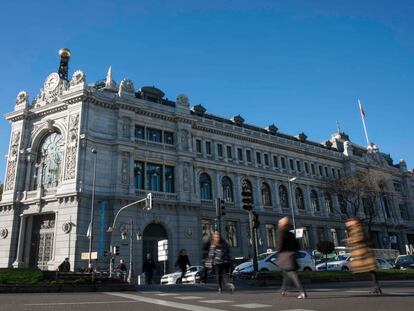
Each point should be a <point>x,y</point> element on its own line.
<point>64,288</point>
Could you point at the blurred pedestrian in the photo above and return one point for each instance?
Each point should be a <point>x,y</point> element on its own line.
<point>121,269</point>
<point>362,258</point>
<point>287,247</point>
<point>90,269</point>
<point>148,268</point>
<point>219,259</point>
<point>204,258</point>
<point>182,262</point>
<point>64,266</point>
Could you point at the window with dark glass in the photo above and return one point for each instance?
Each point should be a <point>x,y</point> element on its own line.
<point>153,135</point>
<point>227,189</point>
<point>248,156</point>
<point>169,179</point>
<point>328,203</point>
<point>342,204</point>
<point>220,150</point>
<point>271,235</point>
<point>208,147</point>
<point>169,138</point>
<point>333,173</point>
<point>240,154</point>
<point>153,177</point>
<point>283,196</point>
<point>258,158</point>
<point>275,161</point>
<point>198,146</point>
<point>315,201</point>
<point>266,195</point>
<point>205,187</point>
<point>292,165</point>
<point>313,169</point>
<point>228,150</point>
<point>266,159</point>
<point>283,162</point>
<point>300,203</point>
<point>326,172</point>
<point>385,204</point>
<point>404,211</point>
<point>298,166</point>
<point>139,132</point>
<point>339,173</point>
<point>139,175</point>
<point>306,168</point>
<point>246,184</point>
<point>320,170</point>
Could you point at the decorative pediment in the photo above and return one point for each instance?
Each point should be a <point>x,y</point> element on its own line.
<point>52,89</point>
<point>78,77</point>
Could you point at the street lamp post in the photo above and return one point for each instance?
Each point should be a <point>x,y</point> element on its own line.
<point>131,253</point>
<point>290,180</point>
<point>92,205</point>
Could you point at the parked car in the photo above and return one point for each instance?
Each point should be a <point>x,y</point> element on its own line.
<point>384,264</point>
<point>175,277</point>
<point>337,263</point>
<point>404,262</point>
<point>268,262</point>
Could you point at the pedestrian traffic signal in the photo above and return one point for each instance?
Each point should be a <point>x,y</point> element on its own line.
<point>116,250</point>
<point>247,200</point>
<point>255,220</point>
<point>105,253</point>
<point>220,208</point>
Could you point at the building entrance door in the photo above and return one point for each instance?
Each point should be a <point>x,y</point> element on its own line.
<point>150,237</point>
<point>41,250</point>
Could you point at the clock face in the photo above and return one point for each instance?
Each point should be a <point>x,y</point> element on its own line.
<point>51,82</point>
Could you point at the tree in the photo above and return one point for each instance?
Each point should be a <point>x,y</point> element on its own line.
<point>325,247</point>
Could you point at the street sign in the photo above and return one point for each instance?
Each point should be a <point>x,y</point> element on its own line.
<point>85,255</point>
<point>163,250</point>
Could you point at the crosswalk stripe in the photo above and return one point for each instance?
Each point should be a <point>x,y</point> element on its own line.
<point>167,294</point>
<point>216,301</point>
<point>252,305</point>
<point>188,297</point>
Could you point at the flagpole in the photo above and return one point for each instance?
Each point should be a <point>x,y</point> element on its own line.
<point>363,121</point>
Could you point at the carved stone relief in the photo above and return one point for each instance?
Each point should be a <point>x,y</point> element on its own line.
<point>22,101</point>
<point>71,146</point>
<point>182,100</point>
<point>52,89</point>
<point>78,77</point>
<point>126,86</point>
<point>184,137</point>
<point>4,233</point>
<point>11,167</point>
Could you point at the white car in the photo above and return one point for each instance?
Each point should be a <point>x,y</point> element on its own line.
<point>383,264</point>
<point>268,262</point>
<point>175,277</point>
<point>337,263</point>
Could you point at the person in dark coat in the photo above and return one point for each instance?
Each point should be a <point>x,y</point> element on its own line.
<point>362,258</point>
<point>219,258</point>
<point>122,270</point>
<point>287,247</point>
<point>204,258</point>
<point>148,268</point>
<point>182,262</point>
<point>64,266</point>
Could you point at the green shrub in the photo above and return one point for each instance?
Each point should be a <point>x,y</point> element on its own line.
<point>20,276</point>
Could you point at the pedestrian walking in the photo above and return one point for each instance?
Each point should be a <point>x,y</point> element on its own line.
<point>287,247</point>
<point>204,257</point>
<point>182,262</point>
<point>148,269</point>
<point>219,259</point>
<point>121,269</point>
<point>362,258</point>
<point>64,266</point>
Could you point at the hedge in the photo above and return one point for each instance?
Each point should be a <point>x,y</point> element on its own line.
<point>20,276</point>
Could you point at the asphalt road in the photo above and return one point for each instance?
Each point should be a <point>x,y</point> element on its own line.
<point>397,295</point>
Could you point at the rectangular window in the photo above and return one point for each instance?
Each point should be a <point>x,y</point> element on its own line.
<point>169,138</point>
<point>266,159</point>
<point>207,228</point>
<point>275,161</point>
<point>334,237</point>
<point>320,170</point>
<point>326,172</point>
<point>298,166</point>
<point>139,132</point>
<point>240,154</point>
<point>305,238</point>
<point>292,165</point>
<point>139,175</point>
<point>169,179</point>
<point>228,149</point>
<point>220,150</point>
<point>283,162</point>
<point>306,168</point>
<point>313,169</point>
<point>258,158</point>
<point>231,233</point>
<point>333,173</point>
<point>404,212</point>
<point>208,147</point>
<point>198,146</point>
<point>339,173</point>
<point>153,177</point>
<point>320,233</point>
<point>271,236</point>
<point>248,156</point>
<point>154,135</point>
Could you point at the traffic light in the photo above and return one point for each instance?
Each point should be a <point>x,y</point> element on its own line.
<point>255,220</point>
<point>105,253</point>
<point>220,208</point>
<point>116,250</point>
<point>148,201</point>
<point>247,200</point>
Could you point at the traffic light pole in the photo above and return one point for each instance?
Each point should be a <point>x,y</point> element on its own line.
<point>254,243</point>
<point>218,215</point>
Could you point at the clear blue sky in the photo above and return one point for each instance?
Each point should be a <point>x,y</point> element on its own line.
<point>298,64</point>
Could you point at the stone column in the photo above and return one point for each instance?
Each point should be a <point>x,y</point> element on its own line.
<point>275,196</point>
<point>29,164</point>
<point>217,185</point>
<point>20,243</point>
<point>237,189</point>
<point>308,201</point>
<point>258,202</point>
<point>321,197</point>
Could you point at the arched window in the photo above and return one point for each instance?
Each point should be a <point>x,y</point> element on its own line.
<point>283,195</point>
<point>227,189</point>
<point>49,161</point>
<point>205,187</point>
<point>300,203</point>
<point>315,201</point>
<point>266,195</point>
<point>247,185</point>
<point>342,204</point>
<point>328,203</point>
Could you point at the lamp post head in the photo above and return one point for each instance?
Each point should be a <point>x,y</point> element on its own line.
<point>293,179</point>
<point>93,150</point>
<point>110,229</point>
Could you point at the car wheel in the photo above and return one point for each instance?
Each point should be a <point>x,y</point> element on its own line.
<point>178,281</point>
<point>345,269</point>
<point>307,269</point>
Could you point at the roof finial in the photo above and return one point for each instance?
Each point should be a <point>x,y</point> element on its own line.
<point>108,82</point>
<point>338,128</point>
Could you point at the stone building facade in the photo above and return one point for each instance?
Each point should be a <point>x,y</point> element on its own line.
<point>186,158</point>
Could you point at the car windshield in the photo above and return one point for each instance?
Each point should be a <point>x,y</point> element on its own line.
<point>263,256</point>
<point>338,258</point>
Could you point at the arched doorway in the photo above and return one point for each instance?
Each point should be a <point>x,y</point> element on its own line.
<point>150,237</point>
